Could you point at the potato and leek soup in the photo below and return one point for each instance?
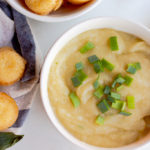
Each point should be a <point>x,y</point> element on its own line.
<point>99,87</point>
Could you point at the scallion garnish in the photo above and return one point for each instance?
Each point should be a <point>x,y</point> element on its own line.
<point>123,106</point>
<point>106,64</point>
<point>130,102</point>
<point>93,59</point>
<point>96,84</point>
<point>115,95</point>
<point>88,46</point>
<point>99,92</point>
<point>128,80</point>
<point>76,82</point>
<point>103,106</point>
<point>119,79</point>
<point>79,66</point>
<point>117,104</point>
<point>109,98</point>
<point>74,99</point>
<point>99,120</point>
<point>119,88</point>
<point>106,89</point>
<point>125,113</point>
<point>78,78</point>
<point>132,68</point>
<point>114,43</point>
<point>98,67</point>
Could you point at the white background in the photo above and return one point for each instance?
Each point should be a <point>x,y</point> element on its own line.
<point>39,132</point>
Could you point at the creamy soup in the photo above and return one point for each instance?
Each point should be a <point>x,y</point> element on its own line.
<point>117,130</point>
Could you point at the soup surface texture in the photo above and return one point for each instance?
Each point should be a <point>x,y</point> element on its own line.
<point>117,130</point>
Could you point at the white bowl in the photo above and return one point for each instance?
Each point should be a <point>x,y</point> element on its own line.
<point>115,23</point>
<point>63,14</point>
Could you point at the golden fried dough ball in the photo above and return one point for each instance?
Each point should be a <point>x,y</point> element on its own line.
<point>78,2</point>
<point>12,66</point>
<point>42,7</point>
<point>58,4</point>
<point>8,111</point>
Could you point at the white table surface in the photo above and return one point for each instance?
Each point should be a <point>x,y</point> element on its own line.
<point>39,132</point>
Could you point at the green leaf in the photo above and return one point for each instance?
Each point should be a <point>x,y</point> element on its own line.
<point>99,120</point>
<point>8,139</point>
<point>106,89</point>
<point>125,113</point>
<point>115,95</point>
<point>98,67</point>
<point>128,80</point>
<point>99,92</point>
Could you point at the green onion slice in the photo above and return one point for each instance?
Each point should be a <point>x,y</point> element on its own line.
<point>78,78</point>
<point>103,106</point>
<point>98,67</point>
<point>119,79</point>
<point>79,66</point>
<point>76,82</point>
<point>88,46</point>
<point>93,59</point>
<point>106,89</point>
<point>109,98</point>
<point>115,95</point>
<point>120,87</point>
<point>137,65</point>
<point>131,102</point>
<point>117,104</point>
<point>99,120</point>
<point>123,106</point>
<point>106,64</point>
<point>99,92</point>
<point>128,80</point>
<point>96,84</point>
<point>74,99</point>
<point>114,43</point>
<point>125,113</point>
<point>131,69</point>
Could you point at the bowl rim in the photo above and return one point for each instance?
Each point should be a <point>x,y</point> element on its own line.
<point>41,18</point>
<point>44,93</point>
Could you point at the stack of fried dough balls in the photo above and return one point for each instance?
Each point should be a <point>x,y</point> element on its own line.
<point>44,7</point>
<point>12,67</point>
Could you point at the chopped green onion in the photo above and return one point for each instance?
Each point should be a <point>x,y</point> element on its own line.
<point>76,82</point>
<point>115,95</point>
<point>123,106</point>
<point>125,113</point>
<point>103,106</point>
<point>106,64</point>
<point>119,88</point>
<point>131,69</point>
<point>99,92</point>
<point>88,46</point>
<point>106,89</point>
<point>114,43</point>
<point>119,79</point>
<point>78,78</point>
<point>74,99</point>
<point>109,98</point>
<point>96,84</point>
<point>98,67</point>
<point>130,102</point>
<point>81,75</point>
<point>99,120</point>
<point>79,66</point>
<point>92,59</point>
<point>128,80</point>
<point>117,104</point>
<point>137,65</point>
